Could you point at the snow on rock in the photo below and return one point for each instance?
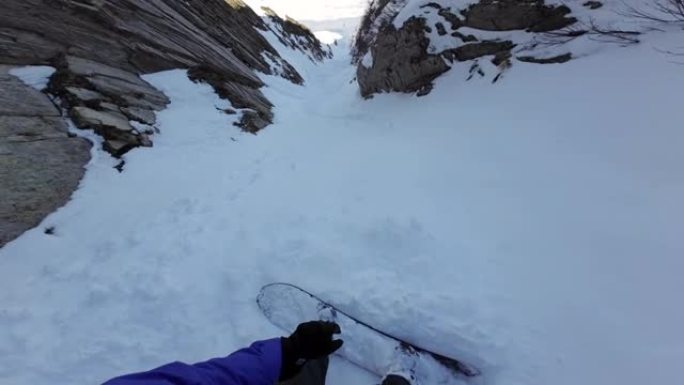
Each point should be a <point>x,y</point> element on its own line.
<point>34,76</point>
<point>530,30</point>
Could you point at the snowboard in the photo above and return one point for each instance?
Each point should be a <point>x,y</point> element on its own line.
<point>286,306</point>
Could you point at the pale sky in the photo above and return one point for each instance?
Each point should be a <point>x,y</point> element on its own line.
<point>313,9</point>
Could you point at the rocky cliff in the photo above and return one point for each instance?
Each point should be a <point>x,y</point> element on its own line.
<point>99,49</point>
<point>221,40</point>
<point>403,45</point>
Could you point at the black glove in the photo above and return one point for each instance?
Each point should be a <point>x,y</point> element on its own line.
<point>311,340</point>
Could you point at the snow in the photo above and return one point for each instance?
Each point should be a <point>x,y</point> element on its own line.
<point>367,60</point>
<point>531,227</point>
<point>312,9</point>
<point>328,37</point>
<point>34,76</point>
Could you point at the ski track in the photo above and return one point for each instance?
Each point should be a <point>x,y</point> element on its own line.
<point>532,227</point>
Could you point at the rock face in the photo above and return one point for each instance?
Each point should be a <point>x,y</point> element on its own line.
<point>400,61</point>
<point>379,14</point>
<point>143,36</point>
<point>100,49</point>
<point>40,165</point>
<point>395,47</point>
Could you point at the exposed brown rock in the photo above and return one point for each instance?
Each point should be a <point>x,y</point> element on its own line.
<point>400,61</point>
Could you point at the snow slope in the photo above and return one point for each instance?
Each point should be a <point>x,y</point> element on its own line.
<point>532,227</point>
<point>313,9</point>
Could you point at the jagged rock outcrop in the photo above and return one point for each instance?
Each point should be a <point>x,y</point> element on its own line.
<point>296,35</point>
<point>40,164</point>
<point>395,49</point>
<point>379,14</point>
<point>107,99</point>
<point>140,37</point>
<point>400,61</point>
<point>100,49</point>
<point>508,15</point>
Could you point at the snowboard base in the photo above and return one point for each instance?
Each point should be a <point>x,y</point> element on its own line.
<point>286,306</point>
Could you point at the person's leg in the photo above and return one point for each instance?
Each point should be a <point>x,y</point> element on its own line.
<point>313,373</point>
<point>393,379</point>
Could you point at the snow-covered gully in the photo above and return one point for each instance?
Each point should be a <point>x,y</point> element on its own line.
<point>532,227</point>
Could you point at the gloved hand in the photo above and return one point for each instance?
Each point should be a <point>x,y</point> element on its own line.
<point>311,340</point>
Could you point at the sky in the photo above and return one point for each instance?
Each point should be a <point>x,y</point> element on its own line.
<point>313,9</point>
